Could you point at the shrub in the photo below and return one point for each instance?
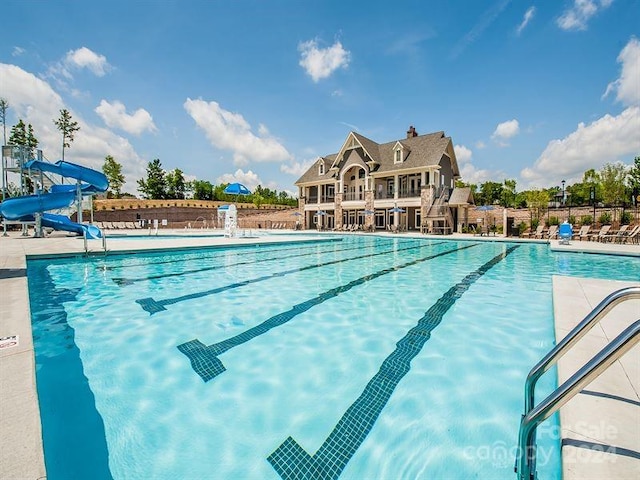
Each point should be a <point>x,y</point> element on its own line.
<point>604,218</point>
<point>572,219</point>
<point>586,220</point>
<point>626,218</point>
<point>554,221</point>
<point>522,226</point>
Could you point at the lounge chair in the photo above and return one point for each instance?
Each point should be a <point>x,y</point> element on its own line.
<point>599,235</point>
<point>565,233</point>
<point>613,236</point>
<point>553,232</point>
<point>583,234</point>
<point>633,236</point>
<point>537,233</point>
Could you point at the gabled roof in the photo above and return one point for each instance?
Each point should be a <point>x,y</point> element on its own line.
<point>461,196</point>
<point>312,175</point>
<point>423,151</point>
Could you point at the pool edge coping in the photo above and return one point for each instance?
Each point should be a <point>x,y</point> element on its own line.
<point>29,461</point>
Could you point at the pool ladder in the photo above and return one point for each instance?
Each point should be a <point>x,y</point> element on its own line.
<point>86,242</point>
<point>534,415</point>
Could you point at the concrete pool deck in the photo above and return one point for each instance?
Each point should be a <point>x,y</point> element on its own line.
<point>606,413</point>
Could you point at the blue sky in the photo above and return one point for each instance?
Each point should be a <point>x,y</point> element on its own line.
<point>254,91</point>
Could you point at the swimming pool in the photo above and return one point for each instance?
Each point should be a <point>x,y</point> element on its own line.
<point>366,358</point>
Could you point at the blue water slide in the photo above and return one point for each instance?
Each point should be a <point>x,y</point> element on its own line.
<point>60,196</point>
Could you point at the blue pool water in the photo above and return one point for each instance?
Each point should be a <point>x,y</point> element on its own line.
<point>365,358</point>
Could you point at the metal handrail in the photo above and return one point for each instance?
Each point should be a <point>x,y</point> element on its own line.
<point>572,338</point>
<point>104,242</point>
<point>526,461</point>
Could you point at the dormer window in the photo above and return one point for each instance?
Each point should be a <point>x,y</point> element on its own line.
<point>321,168</point>
<point>400,152</point>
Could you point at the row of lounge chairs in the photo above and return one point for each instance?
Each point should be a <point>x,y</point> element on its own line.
<point>118,225</point>
<point>625,234</point>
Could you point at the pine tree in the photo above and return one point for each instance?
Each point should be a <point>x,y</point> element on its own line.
<point>113,171</point>
<point>155,185</point>
<point>67,127</point>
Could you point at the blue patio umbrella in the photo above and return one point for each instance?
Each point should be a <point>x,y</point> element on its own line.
<point>237,189</point>
<point>396,210</point>
<point>369,212</point>
<point>320,213</point>
<point>484,208</point>
<point>297,214</point>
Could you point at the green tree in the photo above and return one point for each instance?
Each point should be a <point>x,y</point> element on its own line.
<point>202,190</point>
<point>67,127</point>
<point>176,184</point>
<point>508,196</point>
<point>633,182</point>
<point>32,141</point>
<point>18,134</point>
<point>537,203</point>
<point>113,171</point>
<point>155,185</point>
<point>490,192</point>
<point>612,179</point>
<point>4,106</point>
<point>23,135</point>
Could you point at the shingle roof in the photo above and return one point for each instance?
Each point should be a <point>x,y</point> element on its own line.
<point>424,150</point>
<point>312,175</point>
<point>461,196</point>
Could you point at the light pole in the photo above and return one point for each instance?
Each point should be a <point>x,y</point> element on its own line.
<point>563,197</point>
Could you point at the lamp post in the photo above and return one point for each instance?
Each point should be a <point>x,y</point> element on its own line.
<point>592,194</point>
<point>563,197</point>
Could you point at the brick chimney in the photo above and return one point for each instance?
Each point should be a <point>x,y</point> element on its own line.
<point>412,132</point>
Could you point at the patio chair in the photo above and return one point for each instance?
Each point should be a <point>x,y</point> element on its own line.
<point>613,236</point>
<point>553,232</point>
<point>537,233</point>
<point>632,236</point>
<point>600,234</point>
<point>565,233</point>
<point>583,233</point>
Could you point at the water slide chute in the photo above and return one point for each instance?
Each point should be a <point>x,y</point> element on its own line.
<point>60,196</point>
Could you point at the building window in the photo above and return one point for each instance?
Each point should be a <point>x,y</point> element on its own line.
<point>321,169</point>
<point>398,157</point>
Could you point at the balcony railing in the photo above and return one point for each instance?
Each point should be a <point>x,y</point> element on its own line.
<point>353,196</point>
<point>409,193</point>
<point>380,195</point>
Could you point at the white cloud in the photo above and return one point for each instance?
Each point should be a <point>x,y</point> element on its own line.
<point>480,145</point>
<point>463,154</point>
<point>33,100</point>
<point>505,131</point>
<point>627,87</point>
<point>320,63</point>
<point>248,179</point>
<point>115,116</point>
<point>468,172</point>
<point>230,131</point>
<point>528,16</point>
<point>577,16</point>
<point>297,168</point>
<point>85,58</point>
<point>17,51</point>
<point>608,139</point>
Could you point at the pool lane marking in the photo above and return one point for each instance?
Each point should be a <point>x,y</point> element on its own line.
<point>204,358</point>
<point>154,306</point>
<point>251,248</point>
<point>123,281</point>
<point>292,462</point>
<point>193,259</point>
